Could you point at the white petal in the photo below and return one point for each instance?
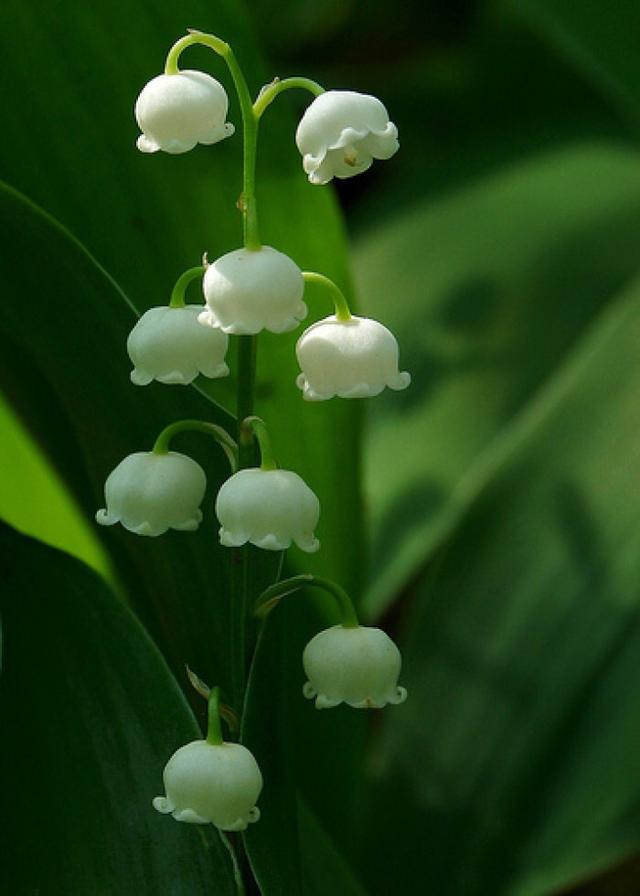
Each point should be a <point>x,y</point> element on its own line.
<point>248,291</point>
<point>359,666</point>
<point>177,111</point>
<point>269,508</point>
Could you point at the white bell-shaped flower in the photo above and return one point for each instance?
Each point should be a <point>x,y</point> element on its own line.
<point>250,290</point>
<point>169,345</point>
<point>215,784</point>
<point>358,666</point>
<point>268,508</point>
<point>150,492</point>
<point>177,111</point>
<point>342,132</point>
<point>353,358</point>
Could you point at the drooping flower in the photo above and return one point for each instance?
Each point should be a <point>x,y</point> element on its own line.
<point>341,133</point>
<point>177,111</point>
<point>169,345</point>
<point>268,508</point>
<point>353,358</point>
<point>249,290</point>
<point>356,665</point>
<point>215,784</point>
<point>150,492</point>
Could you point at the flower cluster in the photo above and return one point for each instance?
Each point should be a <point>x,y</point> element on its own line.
<point>252,289</point>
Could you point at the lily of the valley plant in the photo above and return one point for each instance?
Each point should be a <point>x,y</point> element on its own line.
<point>249,290</point>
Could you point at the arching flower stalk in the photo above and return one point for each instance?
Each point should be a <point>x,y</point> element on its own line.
<point>150,492</point>
<point>347,663</point>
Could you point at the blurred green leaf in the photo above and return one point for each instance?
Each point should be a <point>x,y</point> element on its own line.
<point>515,757</point>
<point>91,716</point>
<point>34,500</point>
<point>486,290</point>
<point>599,38</point>
<point>148,218</point>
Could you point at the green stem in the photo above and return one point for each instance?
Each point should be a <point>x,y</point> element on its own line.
<point>343,312</point>
<point>268,93</point>
<point>193,37</point>
<point>177,293</point>
<point>272,596</point>
<point>222,437</point>
<point>255,426</point>
<point>247,345</point>
<point>214,729</point>
<point>247,348</point>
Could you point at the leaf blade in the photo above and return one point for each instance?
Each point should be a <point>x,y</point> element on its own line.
<point>95,715</point>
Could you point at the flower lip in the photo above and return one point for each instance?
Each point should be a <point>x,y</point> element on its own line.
<point>354,358</point>
<point>250,290</point>
<point>358,666</point>
<point>268,508</point>
<point>149,493</point>
<point>169,345</point>
<point>215,784</point>
<point>177,111</point>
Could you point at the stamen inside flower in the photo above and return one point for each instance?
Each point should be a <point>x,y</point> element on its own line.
<point>351,156</point>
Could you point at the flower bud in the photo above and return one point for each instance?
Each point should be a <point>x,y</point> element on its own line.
<point>250,290</point>
<point>215,784</point>
<point>341,133</point>
<point>169,345</point>
<point>268,508</point>
<point>151,492</point>
<point>353,358</point>
<point>358,666</point>
<point>174,112</point>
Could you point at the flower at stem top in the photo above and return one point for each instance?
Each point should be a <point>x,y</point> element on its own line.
<point>341,133</point>
<point>177,111</point>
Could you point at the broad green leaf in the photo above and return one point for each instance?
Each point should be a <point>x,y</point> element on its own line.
<point>515,757</point>
<point>147,218</point>
<point>63,367</point>
<point>34,500</point>
<point>486,290</point>
<point>91,716</point>
<point>599,38</point>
